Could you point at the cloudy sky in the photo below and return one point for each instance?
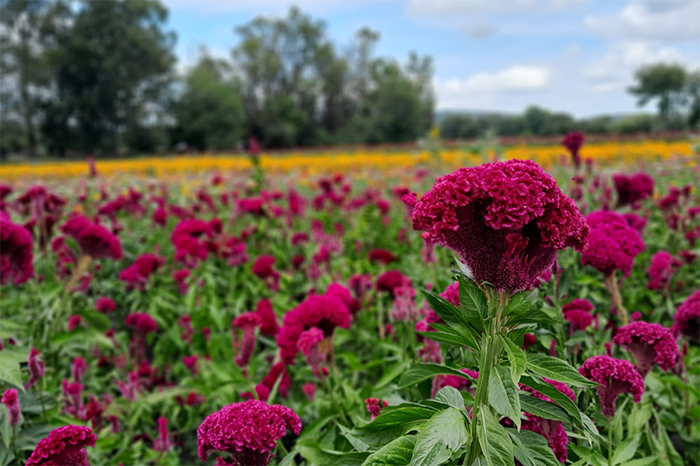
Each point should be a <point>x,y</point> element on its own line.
<point>568,55</point>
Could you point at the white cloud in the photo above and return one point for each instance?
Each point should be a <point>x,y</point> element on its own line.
<point>615,69</point>
<point>451,8</point>
<point>650,20</point>
<point>481,88</point>
<point>479,30</point>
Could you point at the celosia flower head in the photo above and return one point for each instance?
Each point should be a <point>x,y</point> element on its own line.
<point>661,270</point>
<point>633,188</point>
<point>577,313</point>
<point>248,431</point>
<point>687,318</point>
<point>390,280</point>
<point>94,240</point>
<point>615,376</point>
<point>141,323</point>
<point>573,142</point>
<point>324,312</point>
<point>9,398</point>
<point>650,344</point>
<point>506,221</point>
<point>105,305</point>
<point>64,446</point>
<point>267,317</point>
<point>16,255</point>
<point>36,368</point>
<point>612,243</point>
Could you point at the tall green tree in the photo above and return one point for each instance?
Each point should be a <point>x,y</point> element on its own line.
<point>664,83</point>
<point>27,32</point>
<point>209,112</point>
<point>112,67</point>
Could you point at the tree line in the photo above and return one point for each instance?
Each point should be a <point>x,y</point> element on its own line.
<point>674,90</point>
<point>100,77</point>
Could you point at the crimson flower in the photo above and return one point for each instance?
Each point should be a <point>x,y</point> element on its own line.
<point>94,240</point>
<point>650,344</point>
<point>615,376</point>
<point>247,431</point>
<point>506,221</point>
<point>64,446</point>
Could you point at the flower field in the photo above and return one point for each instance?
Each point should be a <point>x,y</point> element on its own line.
<point>533,305</point>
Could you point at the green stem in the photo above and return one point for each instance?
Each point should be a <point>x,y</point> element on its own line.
<point>490,350</point>
<point>41,398</point>
<point>610,444</point>
<point>14,443</point>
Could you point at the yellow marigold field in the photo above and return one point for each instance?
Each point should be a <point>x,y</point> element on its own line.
<point>311,163</point>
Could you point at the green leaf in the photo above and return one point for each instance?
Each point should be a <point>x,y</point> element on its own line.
<point>516,357</point>
<point>531,449</point>
<point>391,374</point>
<point>450,314</point>
<point>450,336</point>
<point>542,408</point>
<point>531,317</point>
<point>503,394</point>
<point>401,415</point>
<point>442,435</point>
<point>473,302</point>
<point>556,369</point>
<point>422,371</point>
<point>625,451</point>
<point>395,453</point>
<point>555,395</point>
<point>494,440</point>
<point>10,373</point>
<point>518,305</point>
<point>450,396</point>
<point>648,461</point>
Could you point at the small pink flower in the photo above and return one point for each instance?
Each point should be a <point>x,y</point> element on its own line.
<point>309,390</point>
<point>374,408</point>
<point>105,305</point>
<point>36,368</point>
<point>650,344</point>
<point>13,408</point>
<point>615,376</point>
<point>162,442</point>
<point>78,369</point>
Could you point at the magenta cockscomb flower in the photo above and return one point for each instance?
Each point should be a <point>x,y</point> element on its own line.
<point>16,256</point>
<point>9,398</point>
<point>342,293</point>
<point>578,314</point>
<point>612,243</point>
<point>190,240</point>
<point>650,344</point>
<point>78,369</point>
<point>633,188</point>
<point>374,407</point>
<point>73,399</point>
<point>267,317</point>
<point>94,240</point>
<point>323,312</point>
<point>451,294</point>
<point>573,141</point>
<point>105,305</point>
<point>263,267</point>
<point>136,275</point>
<point>64,446</point>
<point>247,431</point>
<point>36,368</point>
<point>309,344</point>
<point>687,319</point>
<point>162,442</point>
<point>506,221</point>
<point>661,270</point>
<point>180,277</point>
<point>390,280</point>
<point>247,323</point>
<point>382,256</point>
<point>615,376</point>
